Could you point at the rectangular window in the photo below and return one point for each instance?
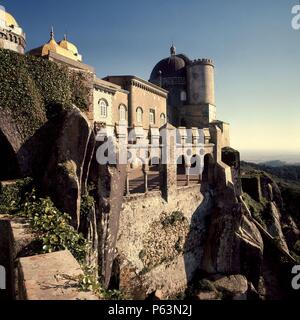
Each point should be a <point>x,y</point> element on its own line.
<point>152,117</point>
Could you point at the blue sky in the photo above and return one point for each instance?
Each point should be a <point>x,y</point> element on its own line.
<point>254,47</point>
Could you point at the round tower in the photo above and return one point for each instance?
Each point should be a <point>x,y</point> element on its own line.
<point>201,83</point>
<point>201,108</point>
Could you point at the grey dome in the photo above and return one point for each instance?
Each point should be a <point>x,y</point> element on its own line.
<point>174,66</point>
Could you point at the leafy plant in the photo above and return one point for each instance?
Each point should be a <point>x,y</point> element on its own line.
<point>11,195</point>
<point>52,227</point>
<point>89,282</point>
<point>87,204</point>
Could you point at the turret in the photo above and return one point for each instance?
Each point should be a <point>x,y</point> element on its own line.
<point>200,110</point>
<point>201,84</point>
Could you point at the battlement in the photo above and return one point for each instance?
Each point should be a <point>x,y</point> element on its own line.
<point>203,61</point>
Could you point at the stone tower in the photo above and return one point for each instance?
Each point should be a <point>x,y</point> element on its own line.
<point>12,36</point>
<point>191,89</point>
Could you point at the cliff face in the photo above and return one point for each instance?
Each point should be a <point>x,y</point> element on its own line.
<point>247,243</point>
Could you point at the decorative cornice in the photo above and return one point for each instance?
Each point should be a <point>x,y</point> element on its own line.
<point>144,85</point>
<point>135,81</point>
<point>102,88</point>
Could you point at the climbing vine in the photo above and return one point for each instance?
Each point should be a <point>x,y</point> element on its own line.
<point>33,89</point>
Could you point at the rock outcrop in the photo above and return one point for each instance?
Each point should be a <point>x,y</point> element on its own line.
<point>109,182</point>
<point>63,179</point>
<point>219,287</point>
<point>234,245</point>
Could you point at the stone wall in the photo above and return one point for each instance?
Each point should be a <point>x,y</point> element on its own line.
<point>161,241</point>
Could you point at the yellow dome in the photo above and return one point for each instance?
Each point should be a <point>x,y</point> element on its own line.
<point>63,48</point>
<point>50,46</point>
<point>68,46</point>
<point>10,20</point>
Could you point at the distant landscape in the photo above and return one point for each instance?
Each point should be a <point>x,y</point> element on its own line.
<point>271,158</point>
<point>287,176</point>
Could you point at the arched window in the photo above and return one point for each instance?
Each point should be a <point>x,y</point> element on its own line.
<point>183,96</point>
<point>103,108</point>
<point>122,112</point>
<point>162,119</point>
<point>139,115</point>
<point>152,116</point>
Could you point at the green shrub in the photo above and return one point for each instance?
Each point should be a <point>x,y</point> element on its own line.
<point>11,195</point>
<point>87,204</point>
<point>53,228</point>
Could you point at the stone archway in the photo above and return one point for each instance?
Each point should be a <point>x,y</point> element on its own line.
<point>9,167</point>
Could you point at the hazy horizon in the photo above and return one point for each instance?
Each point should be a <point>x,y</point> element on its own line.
<point>258,156</point>
<point>255,50</point>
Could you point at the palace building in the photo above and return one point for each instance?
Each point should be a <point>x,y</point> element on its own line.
<point>115,99</point>
<point>180,91</point>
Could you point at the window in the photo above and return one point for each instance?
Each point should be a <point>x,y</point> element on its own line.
<point>139,115</point>
<point>103,108</point>
<point>122,112</point>
<point>152,116</point>
<point>162,119</point>
<point>183,96</point>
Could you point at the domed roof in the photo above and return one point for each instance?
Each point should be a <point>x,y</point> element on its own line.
<point>68,46</point>
<point>63,48</point>
<point>9,19</point>
<point>174,66</point>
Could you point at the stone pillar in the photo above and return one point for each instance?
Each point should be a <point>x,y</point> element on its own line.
<point>216,137</point>
<point>187,173</point>
<point>146,172</point>
<point>169,162</point>
<point>127,183</point>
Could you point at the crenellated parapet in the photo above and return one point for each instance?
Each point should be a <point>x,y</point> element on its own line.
<point>203,61</point>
